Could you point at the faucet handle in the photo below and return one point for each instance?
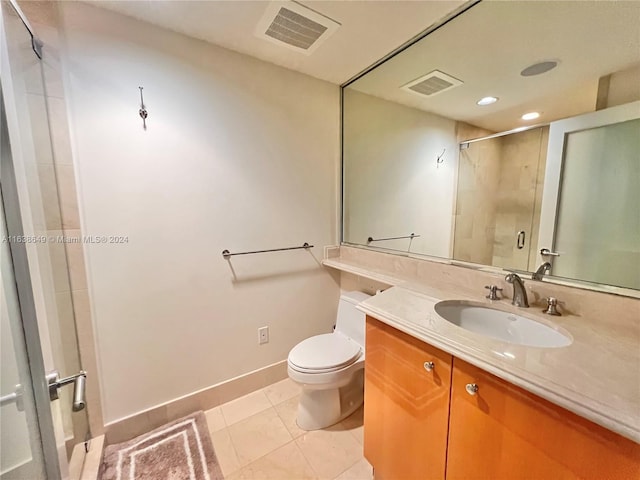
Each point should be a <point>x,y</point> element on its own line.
<point>493,292</point>
<point>552,307</point>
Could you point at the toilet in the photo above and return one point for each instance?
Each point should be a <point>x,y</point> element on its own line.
<point>330,368</point>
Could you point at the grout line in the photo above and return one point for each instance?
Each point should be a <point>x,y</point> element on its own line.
<point>223,420</point>
<point>239,398</point>
<point>235,451</point>
<point>349,467</point>
<point>270,451</point>
<point>277,448</point>
<point>211,434</point>
<point>293,439</point>
<point>282,401</point>
<point>305,457</point>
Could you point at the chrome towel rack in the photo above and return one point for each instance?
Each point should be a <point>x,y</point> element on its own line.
<point>227,254</point>
<point>371,239</point>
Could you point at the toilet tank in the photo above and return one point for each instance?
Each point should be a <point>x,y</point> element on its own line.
<point>350,321</point>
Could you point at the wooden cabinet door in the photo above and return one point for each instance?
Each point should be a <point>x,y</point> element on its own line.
<point>504,432</point>
<point>406,407</point>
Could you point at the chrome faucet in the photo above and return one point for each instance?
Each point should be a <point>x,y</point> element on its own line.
<point>519,293</point>
<point>542,269</point>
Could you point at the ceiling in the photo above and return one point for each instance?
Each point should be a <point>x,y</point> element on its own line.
<point>369,29</point>
<point>490,44</point>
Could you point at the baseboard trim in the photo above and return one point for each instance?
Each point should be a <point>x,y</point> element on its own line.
<point>129,427</point>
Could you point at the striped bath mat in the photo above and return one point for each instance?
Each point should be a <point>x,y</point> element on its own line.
<point>180,450</point>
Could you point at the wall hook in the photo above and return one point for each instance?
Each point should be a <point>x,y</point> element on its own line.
<point>143,110</point>
<point>439,159</point>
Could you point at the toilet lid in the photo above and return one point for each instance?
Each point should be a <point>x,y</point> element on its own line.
<point>324,352</point>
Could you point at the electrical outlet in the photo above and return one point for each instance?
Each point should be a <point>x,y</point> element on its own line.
<point>263,335</point>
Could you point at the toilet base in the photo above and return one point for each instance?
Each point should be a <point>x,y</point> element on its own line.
<point>321,408</point>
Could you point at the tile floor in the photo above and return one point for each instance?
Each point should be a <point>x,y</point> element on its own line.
<point>256,437</point>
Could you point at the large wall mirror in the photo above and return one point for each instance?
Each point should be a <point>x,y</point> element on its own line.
<point>508,137</point>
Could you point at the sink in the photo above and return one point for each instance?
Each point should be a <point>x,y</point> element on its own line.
<point>505,326</point>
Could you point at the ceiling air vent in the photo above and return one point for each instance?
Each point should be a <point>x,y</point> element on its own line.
<point>295,26</point>
<point>431,84</point>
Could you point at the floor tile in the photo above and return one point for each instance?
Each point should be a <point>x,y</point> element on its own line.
<point>285,463</point>
<point>360,471</point>
<point>225,451</point>
<point>235,476</point>
<point>288,411</point>
<point>354,423</point>
<point>244,407</point>
<point>215,419</point>
<point>258,435</point>
<point>281,391</point>
<point>330,451</point>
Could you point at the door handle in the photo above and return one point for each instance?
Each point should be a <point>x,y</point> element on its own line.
<point>520,239</point>
<point>16,397</point>
<point>545,252</point>
<point>79,383</point>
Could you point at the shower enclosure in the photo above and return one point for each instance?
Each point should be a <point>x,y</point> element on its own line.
<point>38,433</point>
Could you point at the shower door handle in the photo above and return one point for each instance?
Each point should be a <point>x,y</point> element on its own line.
<point>79,383</point>
<point>16,397</point>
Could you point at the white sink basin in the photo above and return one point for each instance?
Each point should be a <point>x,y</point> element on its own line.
<point>505,326</point>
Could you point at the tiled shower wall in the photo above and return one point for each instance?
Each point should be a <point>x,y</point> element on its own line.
<point>499,194</point>
<point>475,211</point>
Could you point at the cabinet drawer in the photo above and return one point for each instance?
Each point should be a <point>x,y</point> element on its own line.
<point>406,405</point>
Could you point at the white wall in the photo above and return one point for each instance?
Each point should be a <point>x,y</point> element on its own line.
<point>240,155</point>
<point>624,86</point>
<point>394,184</point>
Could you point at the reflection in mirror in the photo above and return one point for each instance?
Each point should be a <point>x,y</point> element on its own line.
<point>393,180</point>
<point>426,153</point>
<point>598,218</point>
<point>498,199</point>
<point>590,205</point>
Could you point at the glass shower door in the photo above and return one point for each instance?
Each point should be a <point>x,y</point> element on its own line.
<point>36,240</point>
<point>598,224</point>
<point>21,454</point>
<point>589,226</point>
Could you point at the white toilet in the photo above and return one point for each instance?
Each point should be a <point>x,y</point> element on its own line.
<point>330,368</point>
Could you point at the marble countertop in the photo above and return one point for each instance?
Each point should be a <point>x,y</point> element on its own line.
<point>596,377</point>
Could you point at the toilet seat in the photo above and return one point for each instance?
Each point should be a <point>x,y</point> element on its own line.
<point>324,353</point>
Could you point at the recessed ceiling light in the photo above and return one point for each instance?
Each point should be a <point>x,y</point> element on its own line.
<point>487,101</point>
<point>530,116</point>
<point>539,68</point>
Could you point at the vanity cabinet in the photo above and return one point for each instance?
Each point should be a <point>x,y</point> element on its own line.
<point>505,432</point>
<point>406,405</point>
<point>459,422</point>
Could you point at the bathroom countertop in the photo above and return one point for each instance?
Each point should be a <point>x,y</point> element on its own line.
<point>596,377</point>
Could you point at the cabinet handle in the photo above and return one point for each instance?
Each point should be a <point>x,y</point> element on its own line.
<point>472,388</point>
<point>429,366</point>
